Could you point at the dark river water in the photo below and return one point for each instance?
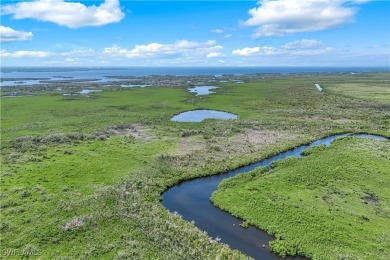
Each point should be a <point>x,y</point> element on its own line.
<point>191,199</point>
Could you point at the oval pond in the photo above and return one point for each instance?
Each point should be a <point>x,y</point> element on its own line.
<point>200,115</point>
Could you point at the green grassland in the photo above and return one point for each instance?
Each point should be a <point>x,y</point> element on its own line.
<point>331,204</point>
<point>364,88</point>
<point>81,177</point>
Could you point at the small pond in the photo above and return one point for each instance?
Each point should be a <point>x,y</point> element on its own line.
<point>237,81</point>
<point>87,91</point>
<point>135,86</point>
<point>200,115</point>
<point>202,90</point>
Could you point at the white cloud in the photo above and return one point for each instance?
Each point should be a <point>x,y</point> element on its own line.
<point>69,14</point>
<point>280,17</point>
<point>246,51</point>
<point>301,47</point>
<point>214,55</point>
<point>303,44</point>
<point>74,54</point>
<point>360,1</point>
<point>181,48</point>
<point>70,60</point>
<point>8,34</point>
<point>218,31</point>
<point>228,36</point>
<point>79,53</point>
<point>24,54</point>
<point>79,57</point>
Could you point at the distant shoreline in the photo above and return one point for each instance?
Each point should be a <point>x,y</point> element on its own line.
<point>22,72</point>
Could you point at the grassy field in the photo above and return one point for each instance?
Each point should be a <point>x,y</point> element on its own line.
<point>364,88</point>
<point>82,177</point>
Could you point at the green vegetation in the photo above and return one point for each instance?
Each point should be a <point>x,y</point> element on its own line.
<point>364,88</point>
<point>82,176</point>
<point>329,205</point>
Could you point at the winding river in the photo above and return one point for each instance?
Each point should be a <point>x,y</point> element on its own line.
<point>191,199</point>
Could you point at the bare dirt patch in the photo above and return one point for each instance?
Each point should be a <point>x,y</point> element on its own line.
<point>188,145</point>
<point>370,198</point>
<point>137,131</point>
<point>263,137</point>
<point>199,152</point>
<point>74,223</point>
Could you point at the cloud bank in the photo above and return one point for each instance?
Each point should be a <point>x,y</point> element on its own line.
<point>179,48</point>
<point>8,34</point>
<point>24,54</point>
<point>218,31</point>
<point>69,14</point>
<point>300,47</point>
<point>280,17</point>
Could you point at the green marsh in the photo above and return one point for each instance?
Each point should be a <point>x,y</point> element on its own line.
<point>82,176</point>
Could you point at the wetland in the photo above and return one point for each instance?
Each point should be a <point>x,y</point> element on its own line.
<point>83,176</point>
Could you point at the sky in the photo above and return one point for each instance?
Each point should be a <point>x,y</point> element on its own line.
<point>265,33</point>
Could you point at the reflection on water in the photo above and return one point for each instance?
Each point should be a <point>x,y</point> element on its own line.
<point>56,79</point>
<point>87,91</point>
<point>200,115</point>
<point>202,90</point>
<point>134,86</point>
<point>19,82</point>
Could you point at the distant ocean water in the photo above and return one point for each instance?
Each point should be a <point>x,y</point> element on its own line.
<point>26,76</point>
<point>98,73</point>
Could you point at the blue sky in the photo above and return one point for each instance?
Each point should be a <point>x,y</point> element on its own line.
<point>195,33</point>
